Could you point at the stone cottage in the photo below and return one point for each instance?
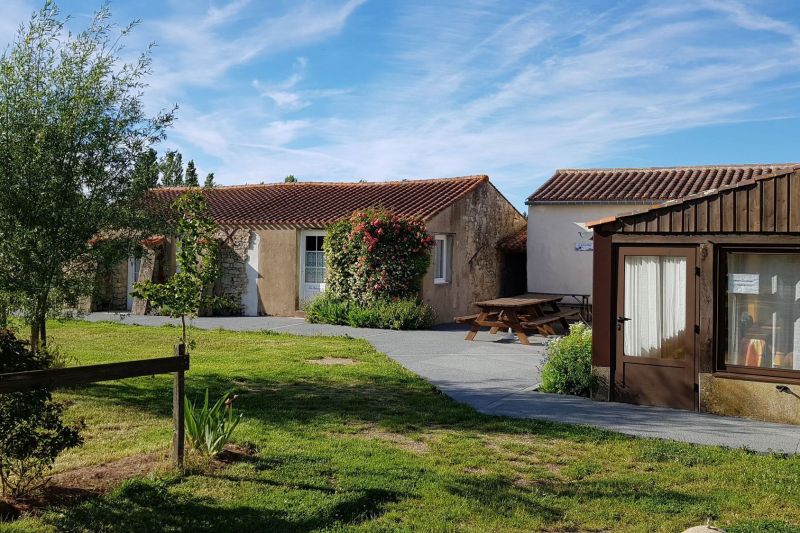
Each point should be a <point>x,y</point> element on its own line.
<point>272,237</point>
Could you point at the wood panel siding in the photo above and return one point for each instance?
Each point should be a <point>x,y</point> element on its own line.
<point>769,204</point>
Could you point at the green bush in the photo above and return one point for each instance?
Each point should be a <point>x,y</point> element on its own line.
<point>32,433</point>
<point>226,305</point>
<point>383,314</point>
<point>374,255</point>
<point>568,366</point>
<point>327,309</point>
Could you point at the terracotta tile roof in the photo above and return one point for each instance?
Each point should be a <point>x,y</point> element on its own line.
<point>643,185</point>
<point>316,204</point>
<point>517,242</point>
<point>781,170</point>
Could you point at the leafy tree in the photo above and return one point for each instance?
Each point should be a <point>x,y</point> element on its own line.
<point>290,179</point>
<point>32,433</point>
<point>172,169</point>
<point>72,128</point>
<point>209,183</point>
<point>191,179</point>
<point>146,172</point>
<point>183,294</point>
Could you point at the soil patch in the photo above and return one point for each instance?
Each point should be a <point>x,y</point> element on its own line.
<point>234,453</point>
<point>331,361</point>
<point>74,486</point>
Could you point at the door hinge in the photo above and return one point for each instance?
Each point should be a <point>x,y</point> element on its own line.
<point>697,387</point>
<point>697,329</point>
<point>697,271</point>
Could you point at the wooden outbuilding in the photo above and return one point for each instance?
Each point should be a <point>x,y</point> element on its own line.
<point>697,301</point>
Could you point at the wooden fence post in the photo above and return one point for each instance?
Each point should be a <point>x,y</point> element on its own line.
<point>178,433</point>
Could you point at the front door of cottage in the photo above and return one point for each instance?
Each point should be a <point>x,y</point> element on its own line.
<point>655,323</point>
<point>312,265</point>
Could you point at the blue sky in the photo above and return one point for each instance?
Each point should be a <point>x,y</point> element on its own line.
<point>381,89</point>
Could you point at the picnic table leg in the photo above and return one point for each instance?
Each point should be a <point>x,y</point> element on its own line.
<point>475,326</point>
<point>563,320</point>
<point>513,322</point>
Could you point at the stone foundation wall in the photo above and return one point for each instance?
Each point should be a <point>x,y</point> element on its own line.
<point>750,399</point>
<point>603,391</point>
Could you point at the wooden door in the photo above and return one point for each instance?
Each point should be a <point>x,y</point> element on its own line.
<point>655,359</point>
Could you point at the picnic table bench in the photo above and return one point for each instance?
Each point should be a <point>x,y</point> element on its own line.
<point>521,314</point>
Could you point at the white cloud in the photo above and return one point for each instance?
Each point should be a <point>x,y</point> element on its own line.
<point>509,89</point>
<point>281,93</point>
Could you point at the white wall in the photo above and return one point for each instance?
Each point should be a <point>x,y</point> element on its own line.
<point>554,265</point>
<point>250,295</point>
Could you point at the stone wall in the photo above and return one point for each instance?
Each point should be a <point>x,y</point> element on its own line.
<point>111,289</point>
<point>476,223</point>
<point>233,257</point>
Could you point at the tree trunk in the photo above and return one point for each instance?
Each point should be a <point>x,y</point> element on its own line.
<point>39,324</point>
<point>183,326</point>
<point>34,335</point>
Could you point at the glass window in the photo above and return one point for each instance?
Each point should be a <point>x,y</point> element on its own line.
<point>442,253</point>
<point>763,310</point>
<point>314,260</point>
<point>655,306</point>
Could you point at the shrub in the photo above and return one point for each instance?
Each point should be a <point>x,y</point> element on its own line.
<point>327,309</point>
<point>210,428</point>
<point>384,314</point>
<point>226,305</point>
<point>568,366</point>
<point>374,255</point>
<point>32,433</point>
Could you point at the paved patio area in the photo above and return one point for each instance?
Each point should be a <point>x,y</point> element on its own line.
<point>497,376</point>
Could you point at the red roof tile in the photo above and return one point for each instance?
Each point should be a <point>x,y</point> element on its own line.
<point>643,185</point>
<point>316,204</point>
<point>515,243</point>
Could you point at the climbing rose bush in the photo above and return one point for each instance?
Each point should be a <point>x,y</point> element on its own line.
<point>374,255</point>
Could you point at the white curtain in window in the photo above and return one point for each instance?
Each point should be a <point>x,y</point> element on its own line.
<point>655,303</point>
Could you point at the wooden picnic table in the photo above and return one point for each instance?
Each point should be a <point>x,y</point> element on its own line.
<point>521,314</point>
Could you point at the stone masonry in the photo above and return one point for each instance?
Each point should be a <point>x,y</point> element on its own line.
<point>233,262</point>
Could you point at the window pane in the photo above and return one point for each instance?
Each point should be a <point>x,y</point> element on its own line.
<point>763,298</point>
<point>311,243</point>
<point>655,304</point>
<point>438,260</point>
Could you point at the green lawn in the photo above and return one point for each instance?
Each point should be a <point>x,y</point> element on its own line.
<point>371,447</point>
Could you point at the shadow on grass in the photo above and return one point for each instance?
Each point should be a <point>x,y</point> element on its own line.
<point>395,403</point>
<point>149,505</point>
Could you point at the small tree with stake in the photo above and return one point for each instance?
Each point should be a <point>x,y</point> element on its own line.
<point>183,294</point>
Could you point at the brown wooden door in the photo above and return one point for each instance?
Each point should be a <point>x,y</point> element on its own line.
<point>655,359</point>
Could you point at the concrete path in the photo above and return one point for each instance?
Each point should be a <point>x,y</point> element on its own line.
<point>498,376</point>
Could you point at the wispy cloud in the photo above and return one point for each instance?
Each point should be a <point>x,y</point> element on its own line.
<point>513,89</point>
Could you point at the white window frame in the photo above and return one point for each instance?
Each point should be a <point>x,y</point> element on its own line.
<point>446,259</point>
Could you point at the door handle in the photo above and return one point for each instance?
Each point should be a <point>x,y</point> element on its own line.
<point>620,321</point>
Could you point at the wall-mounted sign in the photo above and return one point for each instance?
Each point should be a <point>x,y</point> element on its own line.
<point>743,283</point>
<point>584,246</point>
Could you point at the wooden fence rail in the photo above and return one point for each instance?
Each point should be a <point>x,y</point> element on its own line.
<point>66,377</point>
